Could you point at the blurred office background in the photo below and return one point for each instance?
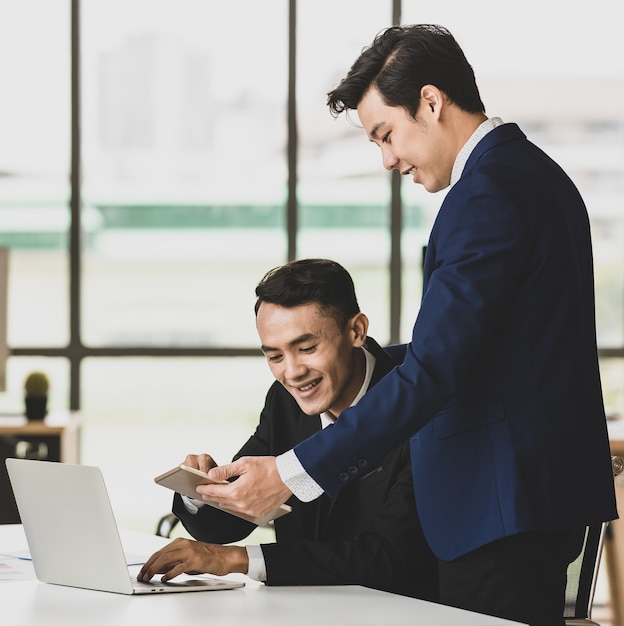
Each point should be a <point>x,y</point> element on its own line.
<point>158,156</point>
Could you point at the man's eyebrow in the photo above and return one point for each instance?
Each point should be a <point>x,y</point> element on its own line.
<point>373,134</point>
<point>291,344</point>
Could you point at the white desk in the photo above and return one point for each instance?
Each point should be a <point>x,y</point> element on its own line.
<point>28,602</point>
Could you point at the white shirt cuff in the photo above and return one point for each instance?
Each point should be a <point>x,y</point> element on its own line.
<point>294,476</point>
<point>192,505</point>
<point>257,566</point>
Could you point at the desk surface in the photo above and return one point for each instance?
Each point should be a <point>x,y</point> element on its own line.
<point>33,603</point>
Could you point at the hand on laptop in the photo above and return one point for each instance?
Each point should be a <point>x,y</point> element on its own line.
<point>186,556</point>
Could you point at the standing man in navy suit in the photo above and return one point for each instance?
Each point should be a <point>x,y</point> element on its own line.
<point>500,391</point>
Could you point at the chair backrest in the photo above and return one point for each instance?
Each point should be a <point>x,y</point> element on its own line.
<point>166,524</point>
<point>583,574</point>
<point>583,571</point>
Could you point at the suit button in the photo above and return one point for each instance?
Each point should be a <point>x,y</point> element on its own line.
<point>353,470</point>
<point>362,463</point>
<point>343,477</point>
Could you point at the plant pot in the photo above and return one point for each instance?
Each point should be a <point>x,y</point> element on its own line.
<point>36,407</point>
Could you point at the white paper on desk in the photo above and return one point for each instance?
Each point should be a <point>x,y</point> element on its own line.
<point>24,555</point>
<point>8,572</point>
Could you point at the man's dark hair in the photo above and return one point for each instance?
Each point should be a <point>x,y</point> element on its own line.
<point>311,281</point>
<point>400,61</point>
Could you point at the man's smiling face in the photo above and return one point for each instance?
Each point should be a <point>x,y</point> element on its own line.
<point>418,147</point>
<point>311,356</point>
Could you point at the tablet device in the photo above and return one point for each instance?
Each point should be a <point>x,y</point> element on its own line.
<point>185,480</point>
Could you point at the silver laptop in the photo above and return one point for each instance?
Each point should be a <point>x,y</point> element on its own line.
<point>72,534</point>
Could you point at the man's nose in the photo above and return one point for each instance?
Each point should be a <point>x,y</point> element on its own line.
<point>294,369</point>
<point>388,158</point>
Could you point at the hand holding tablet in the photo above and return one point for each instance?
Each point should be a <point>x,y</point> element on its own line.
<point>185,480</point>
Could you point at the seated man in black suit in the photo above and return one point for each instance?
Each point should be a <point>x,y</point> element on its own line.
<point>315,341</point>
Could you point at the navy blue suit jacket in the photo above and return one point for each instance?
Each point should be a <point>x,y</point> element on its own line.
<point>499,391</point>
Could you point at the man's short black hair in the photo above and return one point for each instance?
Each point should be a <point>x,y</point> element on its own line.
<point>400,61</point>
<point>311,281</point>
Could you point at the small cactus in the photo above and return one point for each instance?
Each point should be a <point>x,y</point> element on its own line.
<point>36,385</point>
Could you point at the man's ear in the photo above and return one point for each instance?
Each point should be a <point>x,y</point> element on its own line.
<point>358,326</point>
<point>433,99</point>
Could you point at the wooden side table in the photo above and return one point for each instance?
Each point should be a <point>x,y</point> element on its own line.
<point>57,438</point>
<point>614,541</point>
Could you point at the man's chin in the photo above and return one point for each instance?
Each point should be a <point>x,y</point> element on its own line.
<point>312,409</point>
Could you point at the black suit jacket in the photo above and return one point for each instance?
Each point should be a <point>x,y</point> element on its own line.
<point>369,534</point>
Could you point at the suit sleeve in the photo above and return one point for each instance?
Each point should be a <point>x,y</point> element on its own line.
<point>211,525</point>
<point>477,242</point>
<point>388,551</point>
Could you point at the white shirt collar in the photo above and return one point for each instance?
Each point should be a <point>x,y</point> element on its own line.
<point>460,161</point>
<point>326,419</point>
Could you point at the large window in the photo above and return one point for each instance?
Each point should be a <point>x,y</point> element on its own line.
<point>35,117</point>
<point>158,156</point>
<point>184,175</point>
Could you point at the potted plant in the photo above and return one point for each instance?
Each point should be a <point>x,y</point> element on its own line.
<point>36,388</point>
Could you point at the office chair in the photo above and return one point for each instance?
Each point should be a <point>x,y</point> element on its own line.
<point>583,571</point>
<point>166,524</point>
